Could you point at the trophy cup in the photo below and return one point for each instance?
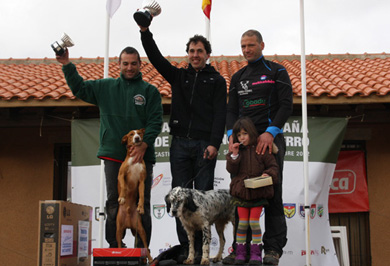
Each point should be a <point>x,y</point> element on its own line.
<point>60,47</point>
<point>144,16</point>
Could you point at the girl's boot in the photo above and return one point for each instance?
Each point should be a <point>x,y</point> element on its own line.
<point>255,258</point>
<point>240,254</point>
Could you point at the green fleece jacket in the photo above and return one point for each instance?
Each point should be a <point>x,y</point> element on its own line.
<point>124,105</point>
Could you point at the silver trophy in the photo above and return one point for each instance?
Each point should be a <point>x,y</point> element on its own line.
<point>144,16</point>
<point>60,47</point>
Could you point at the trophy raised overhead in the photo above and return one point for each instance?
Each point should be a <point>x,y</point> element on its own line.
<point>144,16</point>
<point>60,47</point>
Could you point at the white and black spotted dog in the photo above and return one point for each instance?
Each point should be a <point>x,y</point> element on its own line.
<point>198,210</point>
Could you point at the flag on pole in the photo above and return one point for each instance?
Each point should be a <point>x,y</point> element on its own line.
<point>112,6</point>
<point>206,7</point>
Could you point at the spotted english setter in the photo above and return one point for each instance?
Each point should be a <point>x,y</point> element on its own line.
<point>198,210</point>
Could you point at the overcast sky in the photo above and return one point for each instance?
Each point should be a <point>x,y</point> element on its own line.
<point>29,27</point>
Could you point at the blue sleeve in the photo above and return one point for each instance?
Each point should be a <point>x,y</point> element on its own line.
<point>229,133</point>
<point>274,130</point>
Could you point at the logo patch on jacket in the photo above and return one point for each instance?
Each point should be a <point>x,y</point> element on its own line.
<point>244,88</point>
<point>263,80</point>
<point>139,99</point>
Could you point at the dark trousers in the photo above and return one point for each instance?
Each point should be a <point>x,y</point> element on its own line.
<point>275,235</point>
<point>190,170</point>
<point>111,170</point>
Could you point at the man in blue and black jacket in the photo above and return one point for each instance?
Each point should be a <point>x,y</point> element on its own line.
<point>262,91</point>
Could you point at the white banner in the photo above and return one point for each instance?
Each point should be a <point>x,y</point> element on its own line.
<point>85,189</point>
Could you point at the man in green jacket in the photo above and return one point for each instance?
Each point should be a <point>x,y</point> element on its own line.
<point>125,103</point>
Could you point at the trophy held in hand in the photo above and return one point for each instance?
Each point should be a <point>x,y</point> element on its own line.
<point>144,16</point>
<point>60,47</point>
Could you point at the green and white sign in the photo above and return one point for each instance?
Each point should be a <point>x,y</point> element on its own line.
<point>325,138</point>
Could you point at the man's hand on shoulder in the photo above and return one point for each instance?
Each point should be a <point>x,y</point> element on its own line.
<point>264,141</point>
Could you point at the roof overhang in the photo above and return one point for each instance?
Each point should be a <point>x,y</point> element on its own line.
<point>64,102</point>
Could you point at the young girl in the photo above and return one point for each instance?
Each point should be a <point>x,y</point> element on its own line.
<point>243,162</point>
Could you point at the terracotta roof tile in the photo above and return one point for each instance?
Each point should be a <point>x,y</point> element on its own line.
<point>333,76</point>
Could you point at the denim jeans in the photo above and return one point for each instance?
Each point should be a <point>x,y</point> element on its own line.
<point>111,169</point>
<point>190,170</point>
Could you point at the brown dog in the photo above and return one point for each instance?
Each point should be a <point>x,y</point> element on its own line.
<point>131,186</point>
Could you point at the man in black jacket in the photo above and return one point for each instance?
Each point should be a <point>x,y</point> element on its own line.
<point>197,121</point>
<point>262,91</point>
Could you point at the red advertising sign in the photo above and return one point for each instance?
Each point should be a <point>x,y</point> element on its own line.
<point>348,191</point>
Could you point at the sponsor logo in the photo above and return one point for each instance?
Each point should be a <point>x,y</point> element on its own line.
<point>49,209</point>
<point>252,103</point>
<point>245,89</point>
<point>116,252</point>
<point>289,210</point>
<point>302,210</point>
<point>313,209</point>
<point>159,211</point>
<point>343,182</point>
<point>214,242</point>
<point>218,181</point>
<point>288,252</point>
<point>167,182</point>
<point>65,212</point>
<point>167,246</point>
<point>320,210</point>
<point>49,212</point>
<point>312,252</point>
<point>263,82</point>
<point>244,84</point>
<point>157,180</point>
<point>139,99</point>
<point>324,250</point>
<point>230,250</point>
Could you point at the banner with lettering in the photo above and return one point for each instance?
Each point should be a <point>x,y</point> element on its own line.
<point>325,137</point>
<point>348,191</point>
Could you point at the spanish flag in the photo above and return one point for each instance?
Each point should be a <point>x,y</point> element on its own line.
<point>206,7</point>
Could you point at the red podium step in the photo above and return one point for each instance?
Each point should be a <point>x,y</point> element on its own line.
<point>119,256</point>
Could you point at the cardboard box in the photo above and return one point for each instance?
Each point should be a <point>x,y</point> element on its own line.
<point>64,234</point>
<point>260,181</point>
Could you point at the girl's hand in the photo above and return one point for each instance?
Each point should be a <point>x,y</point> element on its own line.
<point>235,148</point>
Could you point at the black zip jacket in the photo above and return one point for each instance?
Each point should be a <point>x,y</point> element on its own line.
<point>262,91</point>
<point>198,108</point>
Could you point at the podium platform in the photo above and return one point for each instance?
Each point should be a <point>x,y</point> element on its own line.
<point>119,256</point>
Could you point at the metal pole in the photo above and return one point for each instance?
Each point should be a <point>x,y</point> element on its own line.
<point>102,175</point>
<point>304,134</point>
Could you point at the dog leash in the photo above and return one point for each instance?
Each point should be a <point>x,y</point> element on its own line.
<point>201,164</point>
